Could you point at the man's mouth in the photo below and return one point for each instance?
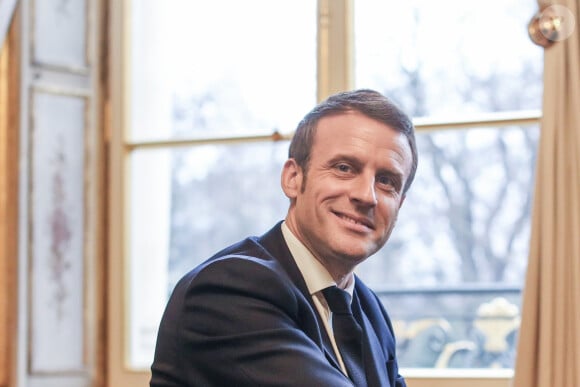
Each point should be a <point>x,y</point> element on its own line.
<point>356,220</point>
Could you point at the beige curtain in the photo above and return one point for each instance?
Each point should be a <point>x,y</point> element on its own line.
<point>549,339</point>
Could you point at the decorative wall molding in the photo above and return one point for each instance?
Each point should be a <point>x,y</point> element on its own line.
<point>60,274</point>
<point>57,233</point>
<point>60,35</point>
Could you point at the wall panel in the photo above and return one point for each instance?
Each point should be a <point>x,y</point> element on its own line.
<point>60,258</point>
<point>57,196</point>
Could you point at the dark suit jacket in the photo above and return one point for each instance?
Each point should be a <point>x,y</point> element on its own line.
<point>245,318</point>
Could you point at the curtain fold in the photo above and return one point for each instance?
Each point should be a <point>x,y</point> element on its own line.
<point>549,339</point>
<point>7,8</point>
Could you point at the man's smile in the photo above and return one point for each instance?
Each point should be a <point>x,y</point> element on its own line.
<point>355,220</point>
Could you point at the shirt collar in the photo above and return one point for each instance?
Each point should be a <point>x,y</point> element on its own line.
<point>315,274</point>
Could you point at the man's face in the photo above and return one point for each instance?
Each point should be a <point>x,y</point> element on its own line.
<point>346,208</point>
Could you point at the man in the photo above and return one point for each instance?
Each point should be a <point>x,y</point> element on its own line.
<point>259,312</point>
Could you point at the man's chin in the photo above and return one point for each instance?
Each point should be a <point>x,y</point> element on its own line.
<point>356,257</point>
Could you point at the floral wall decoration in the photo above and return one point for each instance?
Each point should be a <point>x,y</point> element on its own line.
<point>57,219</point>
<point>60,232</point>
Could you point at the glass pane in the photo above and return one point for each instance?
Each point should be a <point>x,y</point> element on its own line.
<point>149,205</point>
<point>220,195</point>
<point>455,262</point>
<point>451,57</point>
<point>454,266</point>
<point>220,67</point>
<point>185,205</point>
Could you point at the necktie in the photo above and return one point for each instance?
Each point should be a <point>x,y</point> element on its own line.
<point>347,333</point>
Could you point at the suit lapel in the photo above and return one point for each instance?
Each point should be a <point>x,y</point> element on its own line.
<point>374,358</point>
<point>273,241</point>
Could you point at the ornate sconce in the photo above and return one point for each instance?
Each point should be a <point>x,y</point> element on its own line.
<point>550,25</point>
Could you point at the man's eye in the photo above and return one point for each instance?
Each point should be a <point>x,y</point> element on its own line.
<point>385,180</point>
<point>343,168</point>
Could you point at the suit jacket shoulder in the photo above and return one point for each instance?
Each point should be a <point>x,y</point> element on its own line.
<point>243,318</point>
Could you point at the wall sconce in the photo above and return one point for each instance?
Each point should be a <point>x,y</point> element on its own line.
<point>550,25</point>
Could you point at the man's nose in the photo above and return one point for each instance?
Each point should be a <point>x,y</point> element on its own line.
<point>364,190</point>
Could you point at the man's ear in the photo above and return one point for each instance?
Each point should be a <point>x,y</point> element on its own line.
<point>291,178</point>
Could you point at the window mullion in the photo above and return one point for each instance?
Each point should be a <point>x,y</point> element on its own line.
<point>335,46</point>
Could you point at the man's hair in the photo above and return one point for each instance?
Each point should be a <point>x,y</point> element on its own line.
<point>367,102</point>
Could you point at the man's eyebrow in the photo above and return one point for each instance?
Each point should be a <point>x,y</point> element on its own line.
<point>343,157</point>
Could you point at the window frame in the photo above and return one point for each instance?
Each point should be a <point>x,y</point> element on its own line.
<point>335,72</point>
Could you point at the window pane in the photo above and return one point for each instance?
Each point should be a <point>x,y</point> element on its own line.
<point>465,218</point>
<point>221,194</point>
<point>209,68</point>
<point>451,57</point>
<point>456,260</point>
<point>455,264</point>
<point>185,205</point>
<point>149,204</point>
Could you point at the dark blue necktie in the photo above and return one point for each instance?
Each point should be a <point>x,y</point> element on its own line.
<point>347,334</point>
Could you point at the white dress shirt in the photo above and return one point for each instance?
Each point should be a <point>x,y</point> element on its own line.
<point>317,278</point>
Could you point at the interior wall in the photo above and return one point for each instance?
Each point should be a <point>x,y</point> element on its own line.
<point>58,298</point>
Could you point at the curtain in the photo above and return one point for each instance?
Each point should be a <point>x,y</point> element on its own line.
<point>7,8</point>
<point>549,339</point>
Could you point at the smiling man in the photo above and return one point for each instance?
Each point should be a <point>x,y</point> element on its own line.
<point>286,309</point>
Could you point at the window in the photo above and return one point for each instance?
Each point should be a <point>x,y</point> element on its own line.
<point>211,91</point>
<point>209,86</point>
<point>455,263</point>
